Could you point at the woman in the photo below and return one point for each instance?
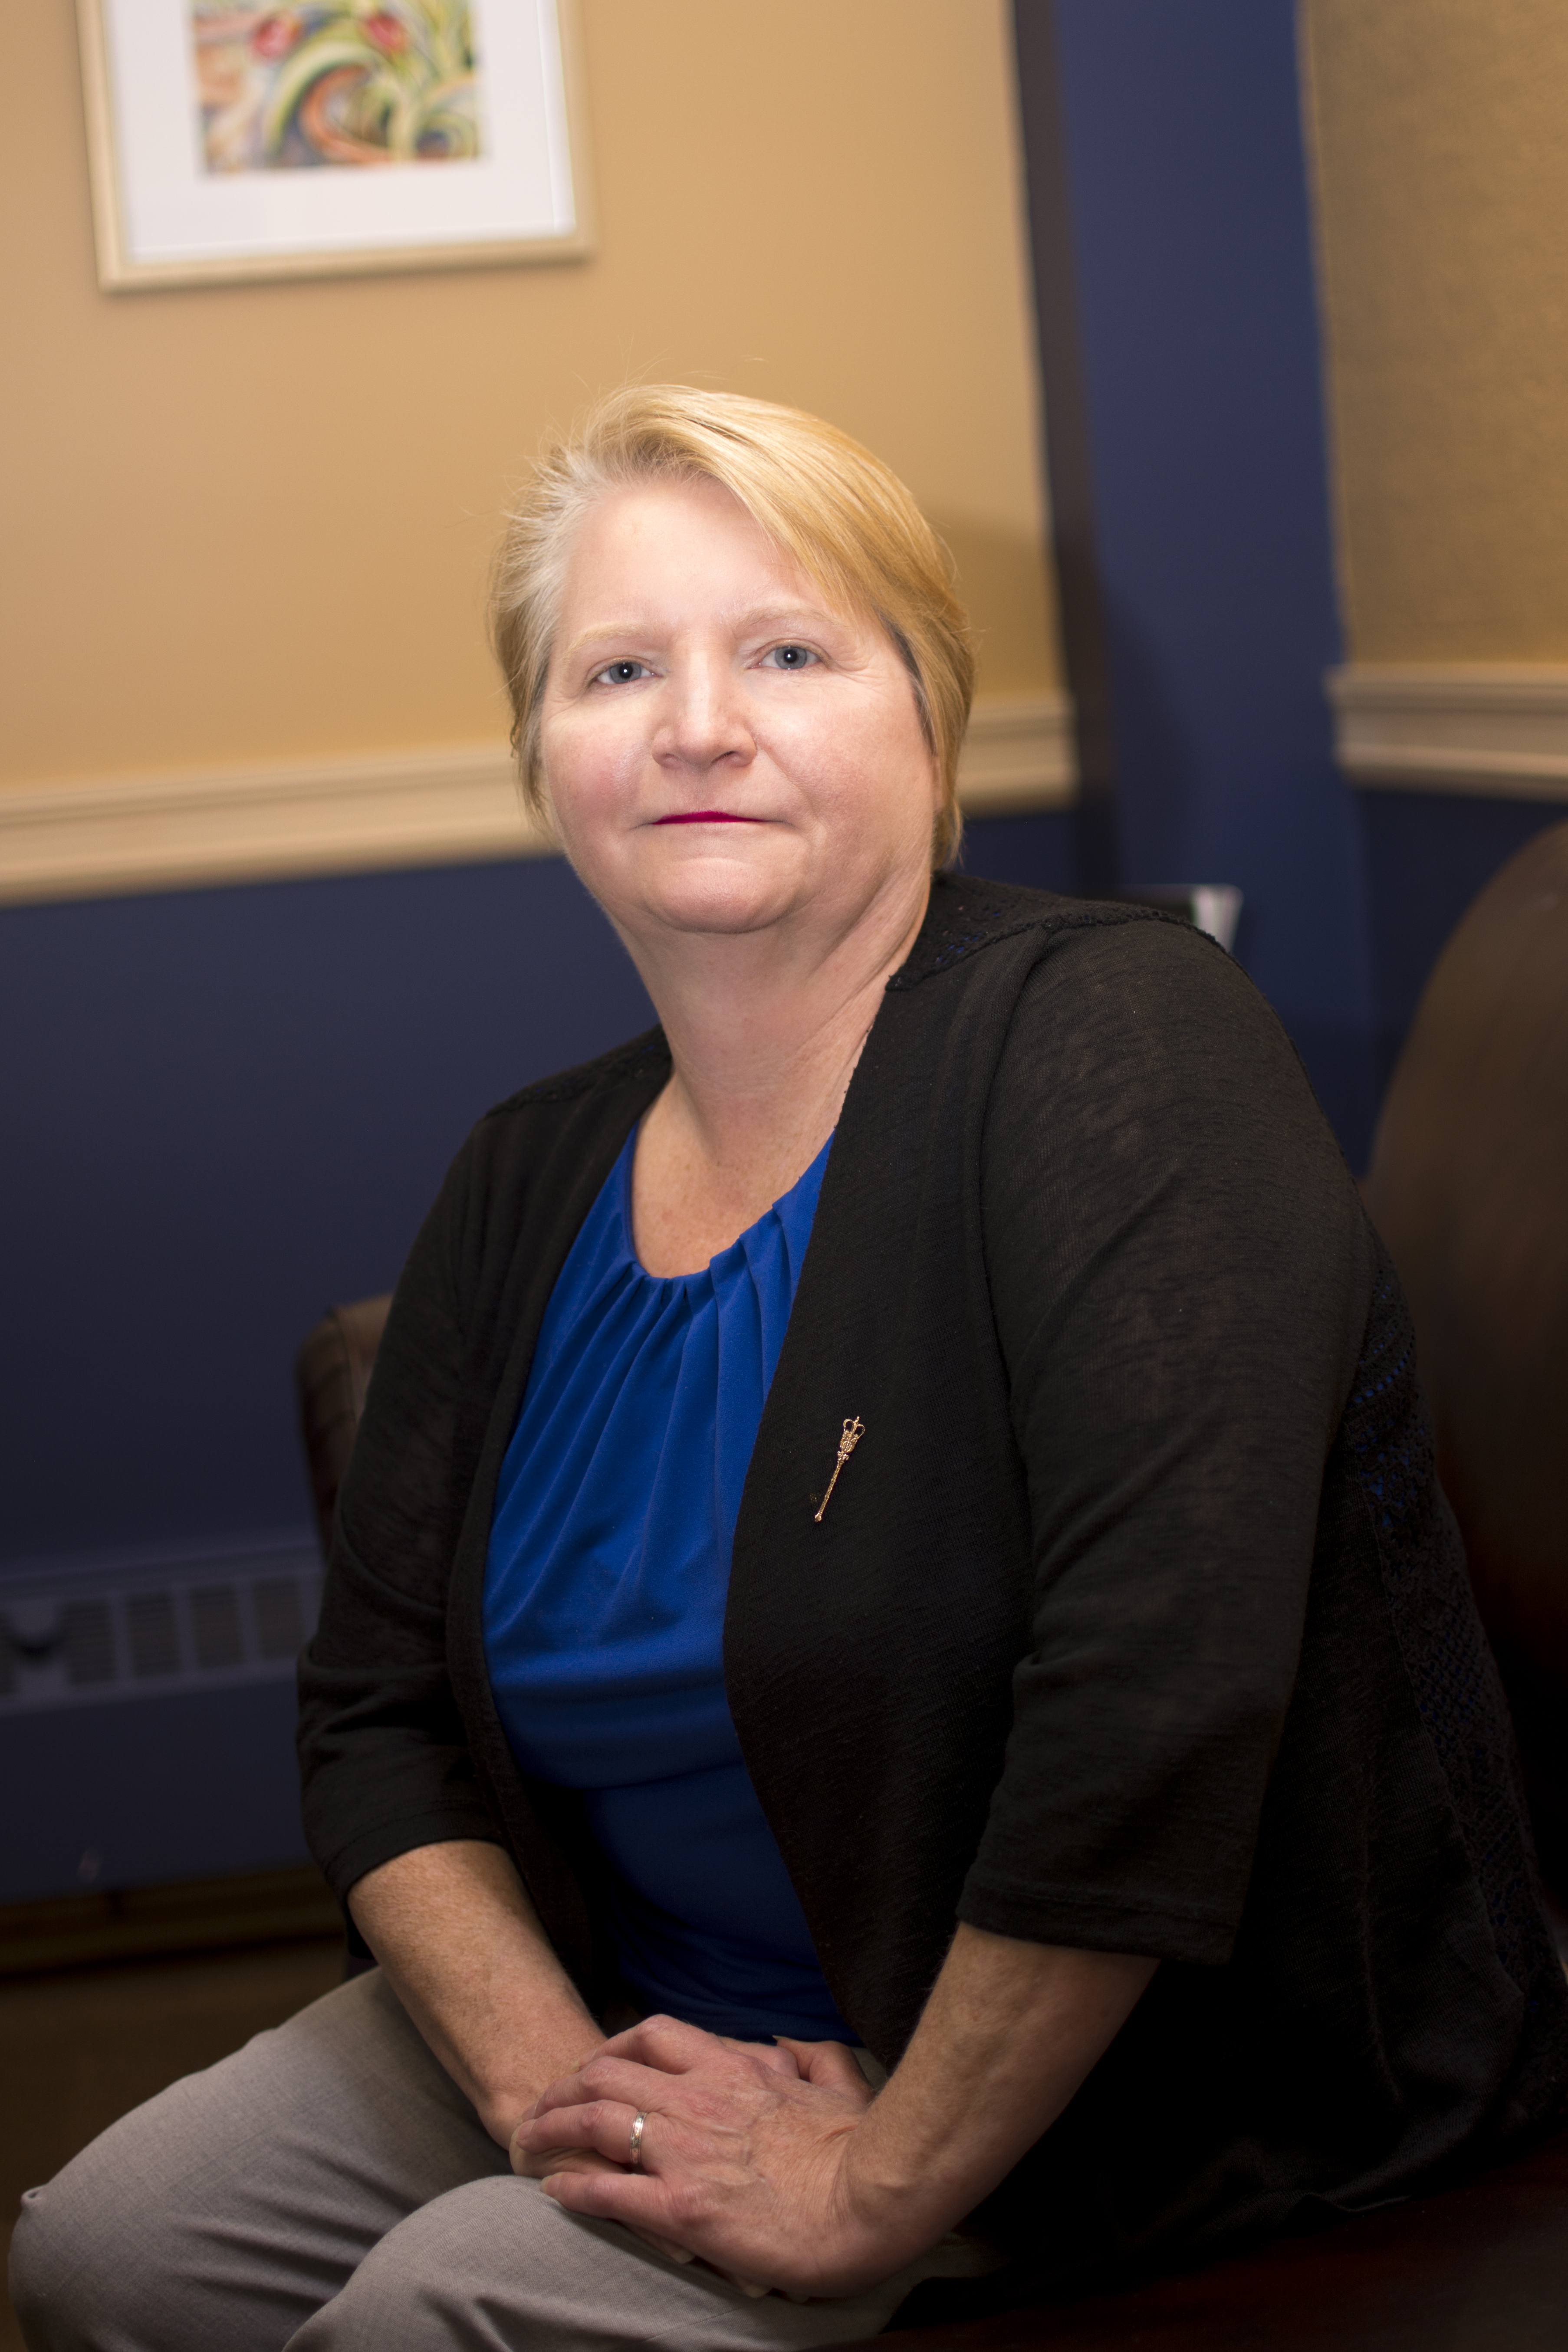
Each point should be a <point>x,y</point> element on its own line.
<point>893,1517</point>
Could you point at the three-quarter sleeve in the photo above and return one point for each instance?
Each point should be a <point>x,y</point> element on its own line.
<point>1179,1271</point>
<point>385,1763</point>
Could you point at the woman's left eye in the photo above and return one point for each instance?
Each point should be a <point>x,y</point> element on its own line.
<point>790,656</point>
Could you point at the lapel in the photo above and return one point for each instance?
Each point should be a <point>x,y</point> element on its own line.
<point>551,1170</point>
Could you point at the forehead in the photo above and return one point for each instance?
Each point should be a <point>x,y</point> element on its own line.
<point>673,543</point>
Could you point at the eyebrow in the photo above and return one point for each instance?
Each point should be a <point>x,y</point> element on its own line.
<point>761,617</point>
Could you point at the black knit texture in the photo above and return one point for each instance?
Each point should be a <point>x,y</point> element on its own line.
<point>1137,1621</point>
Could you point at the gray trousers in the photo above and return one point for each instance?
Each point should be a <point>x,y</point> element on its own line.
<point>329,2188</point>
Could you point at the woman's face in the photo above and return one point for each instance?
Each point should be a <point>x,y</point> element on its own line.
<point>722,750</point>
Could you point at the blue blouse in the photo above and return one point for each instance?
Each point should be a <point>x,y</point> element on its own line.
<point>604,1612</point>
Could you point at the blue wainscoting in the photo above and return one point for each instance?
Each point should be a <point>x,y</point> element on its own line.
<point>223,1110</point>
<point>229,1109</point>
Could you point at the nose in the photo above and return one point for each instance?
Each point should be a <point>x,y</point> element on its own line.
<point>702,720</point>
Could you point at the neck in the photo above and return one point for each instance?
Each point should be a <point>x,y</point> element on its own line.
<point>765,1028</point>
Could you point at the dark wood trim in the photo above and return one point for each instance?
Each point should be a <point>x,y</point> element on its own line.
<point>139,1923</point>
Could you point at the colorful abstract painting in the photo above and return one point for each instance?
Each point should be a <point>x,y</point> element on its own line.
<point>288,90</point>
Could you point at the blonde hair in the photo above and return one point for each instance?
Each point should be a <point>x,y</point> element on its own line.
<point>842,515</point>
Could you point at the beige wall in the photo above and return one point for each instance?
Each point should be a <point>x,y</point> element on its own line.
<point>243,523</point>
<point>1441,138</point>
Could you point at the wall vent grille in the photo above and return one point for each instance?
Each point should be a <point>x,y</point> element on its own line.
<point>77,1633</point>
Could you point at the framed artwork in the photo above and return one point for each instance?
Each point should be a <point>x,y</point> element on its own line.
<point>233,139</point>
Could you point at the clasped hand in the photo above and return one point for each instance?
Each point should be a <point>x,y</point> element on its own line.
<point>747,2156</point>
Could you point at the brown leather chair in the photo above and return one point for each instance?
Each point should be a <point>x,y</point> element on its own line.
<point>331,1374</point>
<point>1470,1189</point>
<point>1479,2269</point>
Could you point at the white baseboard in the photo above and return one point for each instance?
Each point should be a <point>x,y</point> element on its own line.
<point>442,806</point>
<point>1488,729</point>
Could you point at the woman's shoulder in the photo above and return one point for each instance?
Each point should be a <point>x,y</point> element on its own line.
<point>968,915</point>
<point>1148,1027</point>
<point>1084,971</point>
<point>1142,1066</point>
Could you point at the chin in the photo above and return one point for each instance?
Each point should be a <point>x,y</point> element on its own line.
<point>732,904</point>
<point>722,893</point>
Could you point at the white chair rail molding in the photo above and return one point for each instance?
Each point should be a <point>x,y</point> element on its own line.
<point>1485,727</point>
<point>103,837</point>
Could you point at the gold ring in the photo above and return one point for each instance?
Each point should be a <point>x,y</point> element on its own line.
<point>634,2150</point>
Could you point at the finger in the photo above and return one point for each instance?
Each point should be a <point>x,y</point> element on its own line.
<point>608,2078</point>
<point>615,2076</point>
<point>724,2065</point>
<point>665,2246</point>
<point>627,2197</point>
<point>747,2286</point>
<point>612,2197</point>
<point>548,2168</point>
<point>666,2043</point>
<point>828,2063</point>
<point>534,2167</point>
<point>572,2160</point>
<point>777,2055</point>
<point>603,2124</point>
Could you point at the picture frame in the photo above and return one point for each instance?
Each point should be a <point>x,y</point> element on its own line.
<point>229,140</point>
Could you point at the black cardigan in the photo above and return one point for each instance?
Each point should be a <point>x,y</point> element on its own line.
<point>1137,1621</point>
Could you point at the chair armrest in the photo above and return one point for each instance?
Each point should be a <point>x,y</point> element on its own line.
<point>331,1374</point>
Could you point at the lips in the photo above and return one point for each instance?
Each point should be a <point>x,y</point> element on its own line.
<point>708,816</point>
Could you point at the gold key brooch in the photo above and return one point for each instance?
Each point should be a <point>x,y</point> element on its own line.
<point>854,1430</point>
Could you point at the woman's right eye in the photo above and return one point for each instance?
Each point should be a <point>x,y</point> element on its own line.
<point>619,673</point>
